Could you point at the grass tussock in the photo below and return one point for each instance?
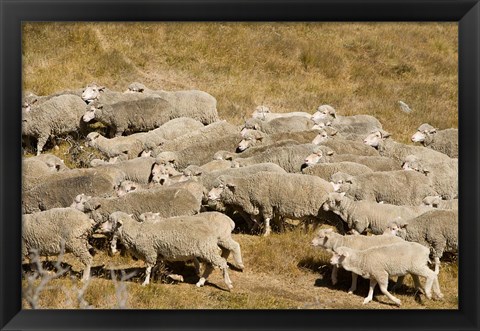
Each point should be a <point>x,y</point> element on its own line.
<point>361,68</point>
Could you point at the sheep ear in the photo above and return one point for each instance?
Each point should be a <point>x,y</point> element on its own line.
<point>403,225</point>
<point>256,127</point>
<point>99,106</point>
<point>432,130</point>
<point>343,194</point>
<point>330,152</point>
<point>426,171</point>
<point>230,185</point>
<point>349,180</point>
<point>101,88</point>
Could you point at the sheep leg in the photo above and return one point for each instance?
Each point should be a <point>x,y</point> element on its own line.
<point>42,140</point>
<point>369,297</point>
<point>437,265</point>
<point>418,285</point>
<point>383,284</point>
<point>353,287</point>
<point>148,271</point>
<point>113,244</point>
<point>232,246</point>
<point>80,250</point>
<point>436,288</point>
<point>268,229</point>
<point>334,275</point>
<point>208,270</point>
<point>430,279</point>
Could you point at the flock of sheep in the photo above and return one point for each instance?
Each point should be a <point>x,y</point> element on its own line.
<point>173,175</point>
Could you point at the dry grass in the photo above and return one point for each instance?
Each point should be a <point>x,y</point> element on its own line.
<point>358,68</point>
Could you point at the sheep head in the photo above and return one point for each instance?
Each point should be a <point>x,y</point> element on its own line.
<point>323,113</point>
<point>376,137</point>
<point>250,138</point>
<point>92,92</point>
<point>92,111</point>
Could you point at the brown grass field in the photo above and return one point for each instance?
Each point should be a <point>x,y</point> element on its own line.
<point>357,68</point>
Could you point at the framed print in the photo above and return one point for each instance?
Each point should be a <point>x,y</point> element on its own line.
<point>237,165</point>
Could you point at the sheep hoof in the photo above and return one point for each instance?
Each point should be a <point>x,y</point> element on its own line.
<point>350,291</point>
<point>367,300</point>
<point>144,284</point>
<point>398,302</point>
<point>334,282</point>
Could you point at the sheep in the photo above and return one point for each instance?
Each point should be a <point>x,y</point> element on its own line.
<point>395,187</point>
<point>216,165</point>
<point>256,138</point>
<point>219,223</point>
<point>356,124</point>
<point>29,99</point>
<point>125,147</point>
<point>225,155</point>
<point>443,175</point>
<point>59,189</point>
<point>191,103</point>
<point>57,231</point>
<point>278,125</point>
<point>363,215</point>
<point>201,152</point>
<point>343,146</point>
<point>436,229</point>
<point>263,113</point>
<point>177,240</point>
<point>291,158</point>
<point>437,202</point>
<point>143,112</point>
<point>330,240</point>
<point>269,194</point>
<point>378,139</point>
<point>168,201</point>
<point>138,169</point>
<point>326,170</point>
<point>54,117</point>
<point>203,135</point>
<point>378,263</point>
<point>171,130</point>
<point>444,141</point>
<point>207,179</point>
<point>36,168</point>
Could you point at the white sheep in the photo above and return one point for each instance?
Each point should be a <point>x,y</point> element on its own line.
<point>444,141</point>
<point>437,229</point>
<point>330,240</point>
<point>138,169</point>
<point>57,231</point>
<point>36,168</point>
<point>395,187</point>
<point>378,263</point>
<point>125,147</point>
<point>54,117</point>
<point>290,157</point>
<point>255,138</point>
<point>356,124</point>
<point>168,201</point>
<point>60,188</point>
<point>177,240</point>
<point>386,146</point>
<point>282,124</point>
<point>263,113</point>
<point>202,135</point>
<point>363,215</point>
<point>199,153</point>
<point>443,175</point>
<point>343,146</point>
<point>326,170</point>
<point>264,195</point>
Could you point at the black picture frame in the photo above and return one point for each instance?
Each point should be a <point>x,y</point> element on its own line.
<point>14,12</point>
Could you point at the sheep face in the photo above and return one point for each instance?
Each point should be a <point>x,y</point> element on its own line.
<point>260,112</point>
<point>432,201</point>
<point>340,180</point>
<point>314,158</point>
<point>136,87</point>
<point>321,237</point>
<point>320,138</point>
<point>161,173</point>
<point>338,257</point>
<point>92,92</point>
<point>216,192</point>
<point>323,113</point>
<point>376,137</point>
<point>91,112</point>
<point>79,202</point>
<point>419,137</point>
<point>333,201</point>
